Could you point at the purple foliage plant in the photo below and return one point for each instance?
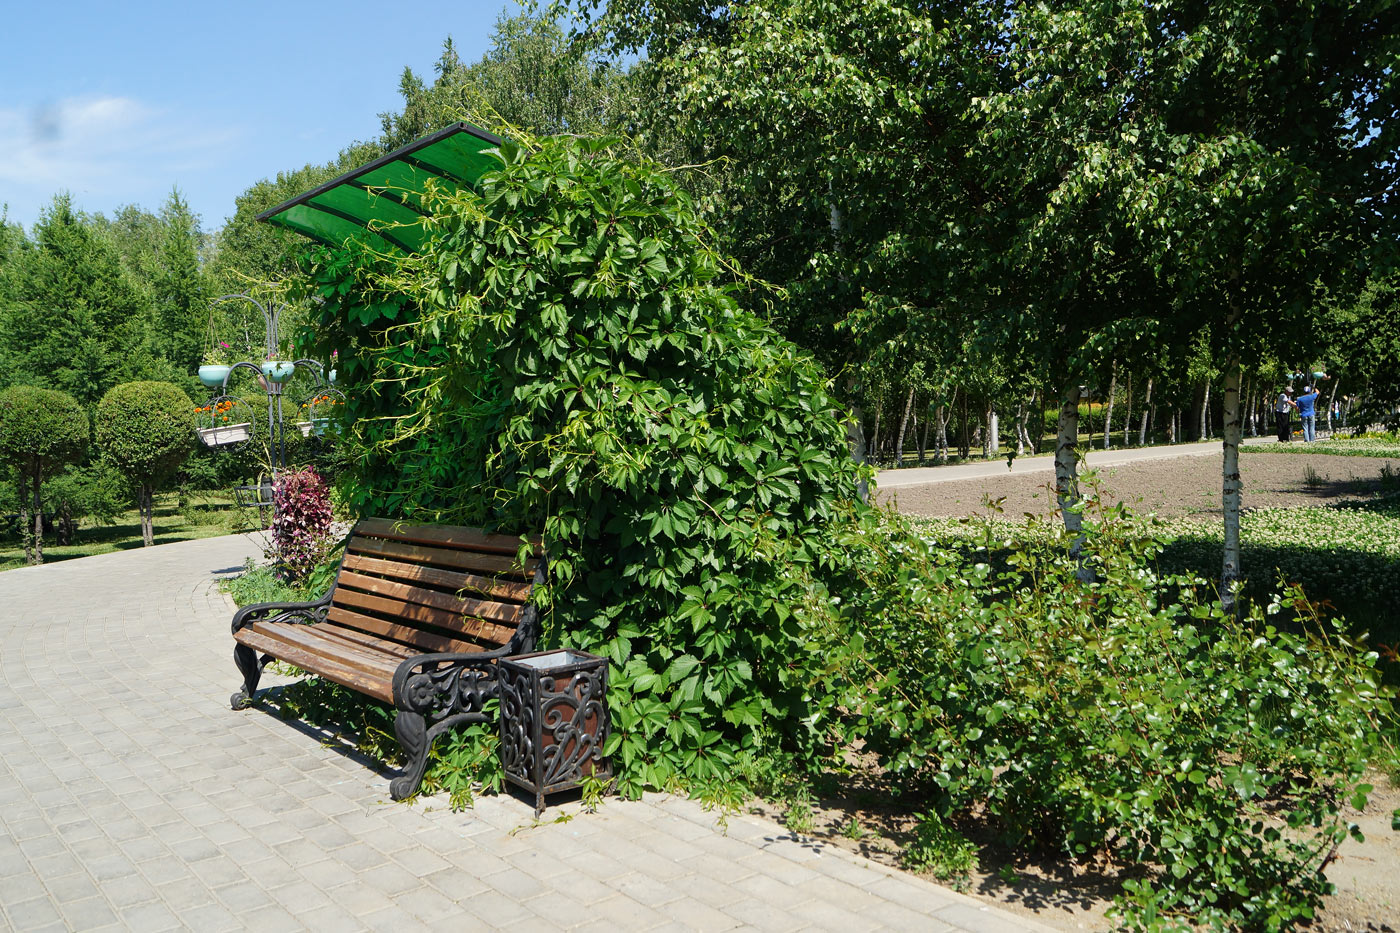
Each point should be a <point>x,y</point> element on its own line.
<point>301,530</point>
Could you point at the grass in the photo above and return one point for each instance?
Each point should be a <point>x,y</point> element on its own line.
<point>205,515</point>
<point>1373,445</point>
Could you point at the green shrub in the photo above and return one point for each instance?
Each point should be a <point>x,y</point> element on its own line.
<point>563,357</point>
<point>939,849</point>
<point>1130,717</point>
<point>41,431</point>
<point>145,430</point>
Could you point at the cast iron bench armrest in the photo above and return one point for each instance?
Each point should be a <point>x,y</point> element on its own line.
<point>458,682</point>
<point>313,611</point>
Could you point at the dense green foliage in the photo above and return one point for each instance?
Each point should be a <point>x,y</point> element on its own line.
<point>578,370</point>
<point>145,430</point>
<point>1130,719</point>
<point>41,431</point>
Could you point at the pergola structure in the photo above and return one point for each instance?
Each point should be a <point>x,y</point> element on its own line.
<point>383,201</point>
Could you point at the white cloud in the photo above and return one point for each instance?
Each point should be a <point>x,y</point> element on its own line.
<point>106,150</point>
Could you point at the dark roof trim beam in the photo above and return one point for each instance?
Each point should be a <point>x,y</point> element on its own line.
<point>398,155</point>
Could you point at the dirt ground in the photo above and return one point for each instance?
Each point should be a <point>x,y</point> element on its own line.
<point>1074,898</point>
<point>1177,487</point>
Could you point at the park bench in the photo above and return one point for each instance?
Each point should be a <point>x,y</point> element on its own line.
<point>417,617</point>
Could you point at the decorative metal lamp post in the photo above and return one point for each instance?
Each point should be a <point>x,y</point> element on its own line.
<point>271,375</point>
<point>554,720</point>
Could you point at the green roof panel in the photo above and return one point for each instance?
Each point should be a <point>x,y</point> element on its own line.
<point>381,202</point>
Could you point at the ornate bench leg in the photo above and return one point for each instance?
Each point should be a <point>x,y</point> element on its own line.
<point>247,660</point>
<point>412,730</point>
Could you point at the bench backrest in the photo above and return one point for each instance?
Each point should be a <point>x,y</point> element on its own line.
<point>435,588</point>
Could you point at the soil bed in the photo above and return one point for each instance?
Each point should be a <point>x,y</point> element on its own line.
<point>1172,488</point>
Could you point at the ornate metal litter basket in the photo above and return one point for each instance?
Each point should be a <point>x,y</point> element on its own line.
<point>554,720</point>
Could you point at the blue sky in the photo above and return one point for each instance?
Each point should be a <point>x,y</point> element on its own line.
<point>118,102</point>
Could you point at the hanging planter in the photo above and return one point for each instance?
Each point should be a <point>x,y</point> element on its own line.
<point>225,434</point>
<point>318,413</point>
<point>318,427</point>
<point>213,374</point>
<point>278,370</point>
<point>225,420</point>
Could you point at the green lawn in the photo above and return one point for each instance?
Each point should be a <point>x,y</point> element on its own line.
<point>206,515</point>
<point>1375,445</point>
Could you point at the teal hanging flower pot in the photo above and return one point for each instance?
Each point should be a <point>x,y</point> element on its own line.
<point>213,376</point>
<point>278,370</point>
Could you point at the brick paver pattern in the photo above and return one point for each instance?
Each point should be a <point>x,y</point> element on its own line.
<point>132,797</point>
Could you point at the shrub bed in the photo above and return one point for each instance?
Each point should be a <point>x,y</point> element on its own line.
<point>1129,719</point>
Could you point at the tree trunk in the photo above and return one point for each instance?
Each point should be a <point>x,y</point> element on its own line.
<point>1108,408</point>
<point>1038,413</point>
<point>1230,491</point>
<point>855,437</point>
<point>1021,428</point>
<point>875,434</point>
<point>965,446</point>
<point>941,414</point>
<point>987,447</point>
<point>903,426</point>
<point>1146,413</point>
<point>1205,409</point>
<point>38,556</point>
<point>147,531</point>
<point>1331,400</point>
<point>1128,413</point>
<point>1172,425</point>
<point>1067,469</point>
<point>923,437</point>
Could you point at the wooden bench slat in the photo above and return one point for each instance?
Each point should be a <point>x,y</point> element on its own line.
<point>450,579</point>
<point>311,638</point>
<point>458,605</point>
<point>378,642</point>
<point>462,560</point>
<point>455,535</point>
<point>378,688</point>
<point>477,629</point>
<point>404,634</point>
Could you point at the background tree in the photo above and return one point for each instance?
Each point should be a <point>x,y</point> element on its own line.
<point>531,78</point>
<point>73,315</point>
<point>145,429</point>
<point>41,431</point>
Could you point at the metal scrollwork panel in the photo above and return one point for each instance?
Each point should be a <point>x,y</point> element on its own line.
<point>450,689</point>
<point>517,727</point>
<point>573,727</point>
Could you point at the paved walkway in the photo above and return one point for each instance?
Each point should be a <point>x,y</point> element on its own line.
<point>1045,463</point>
<point>131,797</point>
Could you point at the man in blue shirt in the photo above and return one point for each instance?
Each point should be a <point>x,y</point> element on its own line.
<point>1307,411</point>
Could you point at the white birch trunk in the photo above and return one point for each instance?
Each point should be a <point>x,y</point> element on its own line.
<point>1067,472</point>
<point>1146,413</point>
<point>1331,400</point>
<point>903,426</point>
<point>1205,413</point>
<point>855,436</point>
<point>1231,487</point>
<point>1108,408</point>
<point>1021,428</point>
<point>1128,413</point>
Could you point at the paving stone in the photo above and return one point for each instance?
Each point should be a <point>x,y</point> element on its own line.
<point>164,809</point>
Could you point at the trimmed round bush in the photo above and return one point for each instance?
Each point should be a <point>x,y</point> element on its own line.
<point>41,431</point>
<point>146,430</point>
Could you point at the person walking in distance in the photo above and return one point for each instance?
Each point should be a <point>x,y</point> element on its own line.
<point>1307,411</point>
<point>1283,412</point>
